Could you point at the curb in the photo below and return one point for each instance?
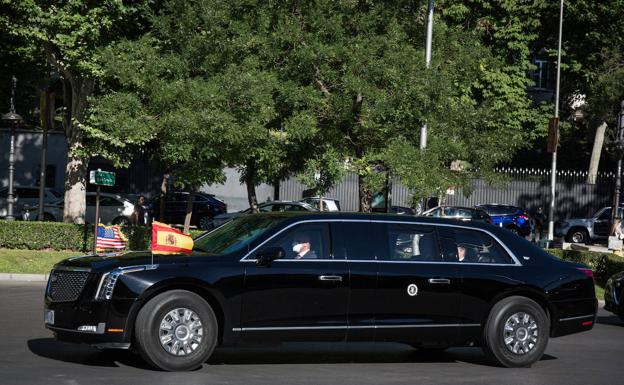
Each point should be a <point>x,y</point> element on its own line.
<point>24,277</point>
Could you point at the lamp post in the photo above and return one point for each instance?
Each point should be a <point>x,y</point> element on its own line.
<point>13,120</point>
<point>619,148</point>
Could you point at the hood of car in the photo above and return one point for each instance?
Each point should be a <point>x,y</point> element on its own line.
<point>105,262</point>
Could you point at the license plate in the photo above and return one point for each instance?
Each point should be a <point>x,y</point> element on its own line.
<point>48,317</point>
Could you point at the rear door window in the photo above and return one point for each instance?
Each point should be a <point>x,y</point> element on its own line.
<point>412,243</point>
<point>358,240</point>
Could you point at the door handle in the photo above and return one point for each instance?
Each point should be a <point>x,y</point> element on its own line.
<point>440,281</point>
<point>330,278</point>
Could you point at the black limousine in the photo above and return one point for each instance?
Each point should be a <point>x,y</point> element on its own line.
<point>427,282</point>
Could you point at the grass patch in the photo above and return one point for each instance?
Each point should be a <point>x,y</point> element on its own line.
<point>31,261</point>
<point>599,292</point>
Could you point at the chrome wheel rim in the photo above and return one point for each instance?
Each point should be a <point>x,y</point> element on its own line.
<point>181,332</point>
<point>521,333</point>
<point>204,223</point>
<point>577,237</point>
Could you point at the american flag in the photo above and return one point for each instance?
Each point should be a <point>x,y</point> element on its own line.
<point>109,237</point>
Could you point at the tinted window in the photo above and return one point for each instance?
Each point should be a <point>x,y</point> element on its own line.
<point>412,243</point>
<point>478,247</point>
<point>90,200</point>
<point>605,215</point>
<point>435,213</point>
<point>358,240</point>
<point>305,241</point>
<point>27,193</point>
<point>480,214</point>
<point>235,235</point>
<point>109,201</point>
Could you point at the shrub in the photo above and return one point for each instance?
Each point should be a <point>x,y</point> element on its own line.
<point>65,236</point>
<point>604,265</point>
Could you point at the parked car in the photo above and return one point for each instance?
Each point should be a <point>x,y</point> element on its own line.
<point>614,295</point>
<point>114,209</point>
<point>266,207</point>
<point>26,196</point>
<point>329,204</point>
<point>512,218</point>
<point>245,282</point>
<point>205,207</point>
<point>378,205</point>
<point>459,213</point>
<point>584,230</point>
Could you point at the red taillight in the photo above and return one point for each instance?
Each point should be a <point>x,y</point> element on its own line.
<point>587,272</point>
<point>587,323</point>
<point>524,217</point>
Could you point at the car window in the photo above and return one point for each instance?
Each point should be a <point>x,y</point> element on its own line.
<point>464,213</point>
<point>235,235</point>
<point>412,243</point>
<point>27,193</point>
<point>478,247</point>
<point>480,214</point>
<point>605,215</point>
<point>358,240</point>
<point>435,213</point>
<point>109,201</point>
<point>304,241</point>
<point>295,208</point>
<point>90,200</point>
<point>450,211</point>
<point>54,193</point>
<point>265,208</point>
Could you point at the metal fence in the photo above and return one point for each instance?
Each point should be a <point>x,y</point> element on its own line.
<point>527,188</point>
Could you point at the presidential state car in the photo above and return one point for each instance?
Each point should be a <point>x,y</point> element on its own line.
<point>426,282</point>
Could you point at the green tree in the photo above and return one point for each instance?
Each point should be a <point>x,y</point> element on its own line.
<point>71,35</point>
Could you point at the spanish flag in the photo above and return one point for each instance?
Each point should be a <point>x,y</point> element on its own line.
<point>167,240</point>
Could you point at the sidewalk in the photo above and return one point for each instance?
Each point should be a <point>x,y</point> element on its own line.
<point>24,277</point>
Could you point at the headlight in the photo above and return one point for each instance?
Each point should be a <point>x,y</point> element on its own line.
<point>108,280</point>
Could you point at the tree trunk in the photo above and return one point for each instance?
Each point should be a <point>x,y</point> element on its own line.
<point>163,193</point>
<point>77,164</point>
<point>366,196</point>
<point>250,173</point>
<point>189,211</point>
<point>321,202</point>
<point>596,151</point>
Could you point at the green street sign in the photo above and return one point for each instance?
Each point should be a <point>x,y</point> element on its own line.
<point>102,178</point>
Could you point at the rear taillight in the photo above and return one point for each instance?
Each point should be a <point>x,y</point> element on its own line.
<point>587,272</point>
<point>524,217</point>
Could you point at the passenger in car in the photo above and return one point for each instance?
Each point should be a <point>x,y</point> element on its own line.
<point>301,245</point>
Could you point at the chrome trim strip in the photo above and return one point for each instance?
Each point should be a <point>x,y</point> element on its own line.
<point>100,329</point>
<point>351,327</point>
<point>511,254</point>
<point>579,317</point>
<point>71,268</point>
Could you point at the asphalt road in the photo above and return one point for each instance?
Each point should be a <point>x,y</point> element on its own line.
<point>29,355</point>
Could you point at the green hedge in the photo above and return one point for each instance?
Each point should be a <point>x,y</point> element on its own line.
<point>65,236</point>
<point>604,265</point>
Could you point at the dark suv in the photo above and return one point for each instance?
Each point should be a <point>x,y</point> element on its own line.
<point>512,218</point>
<point>205,207</point>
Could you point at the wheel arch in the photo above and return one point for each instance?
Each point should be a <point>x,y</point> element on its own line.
<point>192,285</point>
<point>579,228</point>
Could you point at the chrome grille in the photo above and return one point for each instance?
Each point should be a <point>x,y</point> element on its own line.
<point>66,285</point>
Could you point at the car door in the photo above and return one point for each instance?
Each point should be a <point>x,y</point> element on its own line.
<point>602,223</point>
<point>296,299</point>
<point>361,243</point>
<point>486,270</point>
<point>418,292</point>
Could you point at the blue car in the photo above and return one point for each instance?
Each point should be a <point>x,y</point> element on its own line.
<point>512,218</point>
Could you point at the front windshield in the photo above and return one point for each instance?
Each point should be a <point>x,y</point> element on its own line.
<point>236,234</point>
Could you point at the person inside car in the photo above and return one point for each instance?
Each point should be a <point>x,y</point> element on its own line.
<point>302,247</point>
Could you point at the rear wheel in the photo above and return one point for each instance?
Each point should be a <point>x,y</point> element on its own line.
<point>176,331</point>
<point>48,217</point>
<point>516,332</point>
<point>205,223</point>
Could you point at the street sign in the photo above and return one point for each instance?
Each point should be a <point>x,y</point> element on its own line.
<point>102,178</point>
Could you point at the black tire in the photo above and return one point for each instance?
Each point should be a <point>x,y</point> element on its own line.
<point>577,235</point>
<point>47,217</point>
<point>148,329</point>
<point>494,333</point>
<point>121,221</point>
<point>205,223</point>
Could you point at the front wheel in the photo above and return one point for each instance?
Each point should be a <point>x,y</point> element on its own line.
<point>176,331</point>
<point>577,235</point>
<point>516,332</point>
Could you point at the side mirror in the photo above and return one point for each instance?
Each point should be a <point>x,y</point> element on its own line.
<point>268,255</point>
